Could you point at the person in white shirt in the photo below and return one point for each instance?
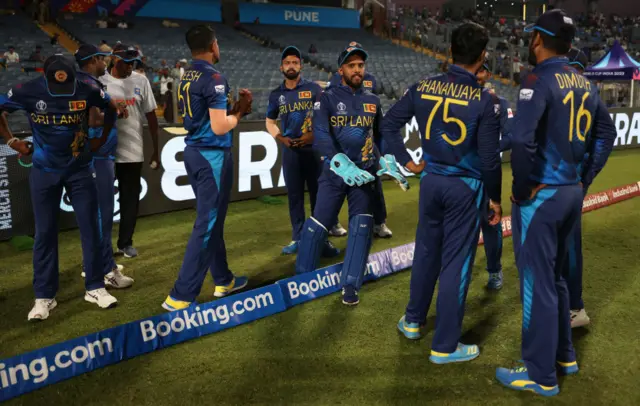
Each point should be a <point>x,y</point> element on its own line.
<point>134,90</point>
<point>164,81</point>
<point>11,56</point>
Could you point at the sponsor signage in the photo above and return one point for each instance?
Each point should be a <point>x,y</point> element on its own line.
<point>299,15</point>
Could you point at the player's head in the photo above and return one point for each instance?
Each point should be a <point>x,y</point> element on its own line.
<point>552,34</point>
<point>125,59</point>
<point>202,42</point>
<point>291,64</point>
<point>91,60</point>
<point>60,75</point>
<point>469,46</point>
<point>577,59</point>
<point>484,74</point>
<point>351,65</point>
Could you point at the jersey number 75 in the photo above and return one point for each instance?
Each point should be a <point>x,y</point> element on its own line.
<point>445,117</point>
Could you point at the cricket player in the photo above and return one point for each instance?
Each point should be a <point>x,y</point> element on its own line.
<point>209,117</point>
<point>378,204</point>
<point>293,102</point>
<point>573,265</point>
<point>492,235</point>
<point>560,118</point>
<point>92,66</point>
<point>134,90</point>
<point>460,146</point>
<point>344,123</point>
<point>56,104</point>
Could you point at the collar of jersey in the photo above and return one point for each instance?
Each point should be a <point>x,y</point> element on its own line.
<point>456,70</point>
<point>301,82</point>
<point>202,62</point>
<point>346,88</point>
<point>552,60</point>
<point>88,74</point>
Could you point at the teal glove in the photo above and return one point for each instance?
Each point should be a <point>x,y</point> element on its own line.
<point>342,166</point>
<point>389,166</point>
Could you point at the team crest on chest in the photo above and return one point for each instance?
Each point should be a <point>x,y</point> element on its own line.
<point>282,100</point>
<point>368,84</point>
<point>369,108</point>
<point>304,95</point>
<point>342,108</point>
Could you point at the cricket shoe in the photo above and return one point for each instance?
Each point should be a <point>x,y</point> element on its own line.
<point>118,268</point>
<point>172,304</point>
<point>337,231</point>
<point>128,252</point>
<point>115,279</point>
<point>495,281</point>
<point>41,309</point>
<point>329,250</point>
<point>350,296</point>
<point>579,318</point>
<point>290,249</point>
<point>237,283</point>
<point>101,297</point>
<point>382,231</point>
<point>567,368</point>
<point>518,379</point>
<point>410,330</point>
<point>461,354</point>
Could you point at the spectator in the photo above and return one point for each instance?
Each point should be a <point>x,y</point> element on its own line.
<point>36,56</point>
<point>123,25</point>
<point>54,39</point>
<point>165,79</point>
<point>313,49</point>
<point>11,56</point>
<point>168,104</point>
<point>101,23</point>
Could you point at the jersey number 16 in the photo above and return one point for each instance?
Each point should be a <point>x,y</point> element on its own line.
<point>575,120</point>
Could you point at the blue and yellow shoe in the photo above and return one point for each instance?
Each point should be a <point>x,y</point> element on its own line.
<point>567,368</point>
<point>237,283</point>
<point>329,250</point>
<point>518,379</point>
<point>172,304</point>
<point>495,281</point>
<point>461,354</point>
<point>290,249</point>
<point>410,330</point>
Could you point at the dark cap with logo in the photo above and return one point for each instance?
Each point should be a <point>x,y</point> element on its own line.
<point>60,75</point>
<point>127,53</point>
<point>291,50</point>
<point>351,49</point>
<point>87,51</point>
<point>555,23</point>
<point>577,58</point>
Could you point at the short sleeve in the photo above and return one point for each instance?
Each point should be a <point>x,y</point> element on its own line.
<point>12,101</point>
<point>98,97</point>
<point>149,102</point>
<point>272,107</point>
<point>214,92</point>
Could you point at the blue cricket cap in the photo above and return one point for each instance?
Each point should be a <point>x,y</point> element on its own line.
<point>127,53</point>
<point>555,23</point>
<point>87,51</point>
<point>291,50</point>
<point>60,75</point>
<point>578,58</point>
<point>352,48</point>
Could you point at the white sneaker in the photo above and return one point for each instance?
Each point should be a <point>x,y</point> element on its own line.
<point>115,279</point>
<point>101,297</point>
<point>337,231</point>
<point>118,267</point>
<point>41,309</point>
<point>579,318</point>
<point>382,231</point>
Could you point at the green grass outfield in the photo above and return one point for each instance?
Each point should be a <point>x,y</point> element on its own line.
<point>322,352</point>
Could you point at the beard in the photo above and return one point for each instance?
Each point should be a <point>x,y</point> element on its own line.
<point>291,74</point>
<point>350,82</point>
<point>532,57</point>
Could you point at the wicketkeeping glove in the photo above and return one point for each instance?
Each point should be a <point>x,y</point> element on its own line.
<point>389,166</point>
<point>342,166</point>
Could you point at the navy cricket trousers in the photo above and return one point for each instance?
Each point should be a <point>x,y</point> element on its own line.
<point>301,166</point>
<point>210,172</point>
<point>446,242</point>
<point>105,178</point>
<point>572,270</point>
<point>541,231</point>
<point>492,240</point>
<point>46,192</point>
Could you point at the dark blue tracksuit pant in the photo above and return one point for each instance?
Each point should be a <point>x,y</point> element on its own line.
<point>105,178</point>
<point>301,166</point>
<point>446,242</point>
<point>46,192</point>
<point>492,237</point>
<point>572,271</point>
<point>541,230</point>
<point>210,172</point>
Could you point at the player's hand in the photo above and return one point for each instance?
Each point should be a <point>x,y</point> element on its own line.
<point>22,147</point>
<point>389,166</point>
<point>154,163</point>
<point>244,102</point>
<point>495,213</point>
<point>286,141</point>
<point>342,166</point>
<point>415,168</point>
<point>306,139</point>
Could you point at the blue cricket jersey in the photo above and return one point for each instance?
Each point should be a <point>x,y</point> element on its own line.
<point>560,120</point>
<point>108,149</point>
<point>506,123</point>
<point>368,82</point>
<point>56,121</point>
<point>202,88</point>
<point>345,121</point>
<point>294,106</point>
<point>459,126</point>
